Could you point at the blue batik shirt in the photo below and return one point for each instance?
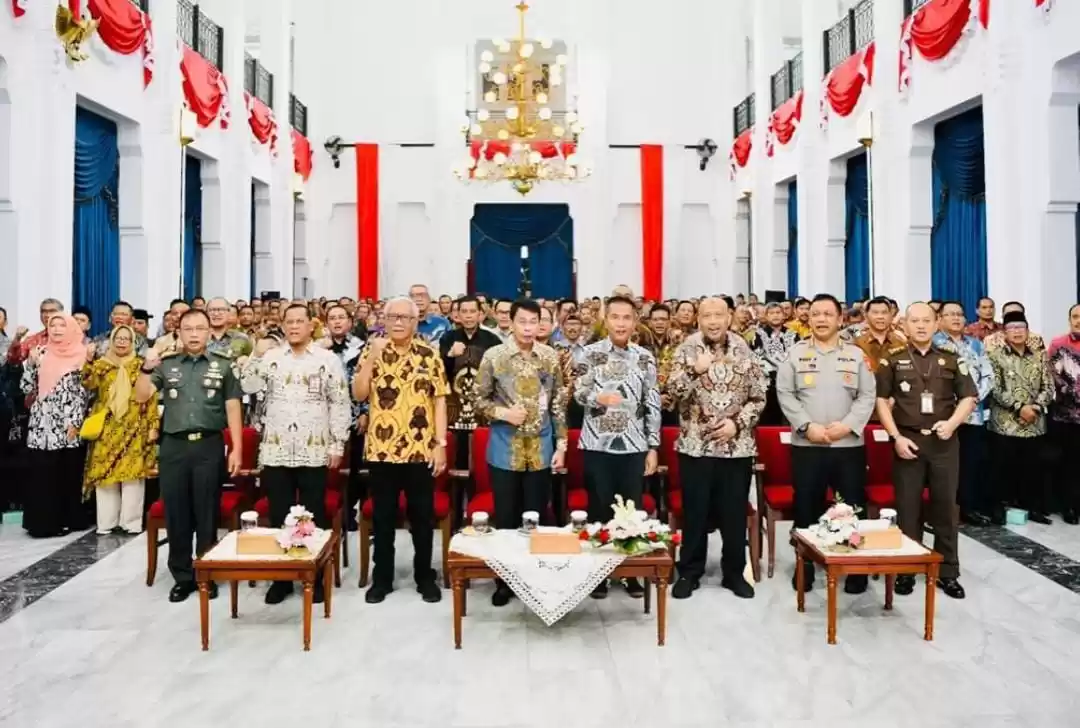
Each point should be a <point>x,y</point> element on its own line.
<point>973,356</point>
<point>431,328</point>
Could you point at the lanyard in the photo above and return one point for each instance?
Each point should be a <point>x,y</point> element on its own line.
<point>924,377</point>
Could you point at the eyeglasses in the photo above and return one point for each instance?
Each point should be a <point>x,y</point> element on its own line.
<point>399,317</point>
<point>194,330</point>
<point>217,309</point>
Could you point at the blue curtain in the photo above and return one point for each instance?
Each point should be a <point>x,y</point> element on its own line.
<point>857,248</point>
<point>498,233</point>
<point>95,279</point>
<point>793,240</point>
<point>958,238</point>
<point>192,228</point>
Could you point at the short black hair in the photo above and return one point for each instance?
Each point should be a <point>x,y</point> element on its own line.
<point>565,301</point>
<point>622,299</point>
<point>1019,305</point>
<point>467,299</point>
<point>245,307</point>
<point>125,304</point>
<point>893,303</point>
<point>499,301</point>
<point>332,306</point>
<point>198,298</point>
<point>193,312</point>
<point>301,306</point>
<point>953,302</point>
<point>572,317</point>
<point>729,301</point>
<point>660,307</point>
<point>800,301</point>
<point>828,297</point>
<point>445,295</point>
<point>176,301</point>
<point>688,303</point>
<point>524,304</point>
<point>878,301</point>
<point>987,298</point>
<point>1071,308</point>
<point>345,298</point>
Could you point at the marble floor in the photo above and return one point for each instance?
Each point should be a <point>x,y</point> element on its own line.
<point>102,649</point>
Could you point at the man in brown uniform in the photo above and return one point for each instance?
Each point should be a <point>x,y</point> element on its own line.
<point>932,394</point>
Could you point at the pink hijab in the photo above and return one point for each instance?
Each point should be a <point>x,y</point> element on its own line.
<point>61,357</point>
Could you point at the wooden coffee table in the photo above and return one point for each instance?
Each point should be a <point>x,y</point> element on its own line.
<point>222,563</point>
<point>654,568</point>
<point>911,558</point>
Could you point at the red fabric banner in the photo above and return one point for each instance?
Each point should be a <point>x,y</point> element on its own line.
<point>938,26</point>
<point>844,84</point>
<point>740,148</point>
<point>984,13</point>
<point>75,6</point>
<point>205,90</point>
<point>367,220</point>
<point>18,7</point>
<point>652,221</point>
<point>786,118</point>
<point>548,150</point>
<point>262,121</point>
<point>302,158</point>
<point>125,29</point>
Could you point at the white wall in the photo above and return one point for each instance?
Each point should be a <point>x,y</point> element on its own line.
<point>37,152</point>
<point>641,74</point>
<point>1029,92</point>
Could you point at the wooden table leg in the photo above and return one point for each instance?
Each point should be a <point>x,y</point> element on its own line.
<point>648,593</point>
<point>890,585</point>
<point>234,596</point>
<point>830,577</point>
<point>661,610</point>
<point>328,588</point>
<point>459,607</point>
<point>309,595</point>
<point>931,587</point>
<point>204,614</point>
<point>800,580</point>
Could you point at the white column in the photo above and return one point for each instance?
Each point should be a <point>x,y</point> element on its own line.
<point>768,55</point>
<point>813,177</point>
<point>831,271</point>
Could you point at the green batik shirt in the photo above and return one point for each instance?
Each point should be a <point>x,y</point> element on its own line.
<point>194,390</point>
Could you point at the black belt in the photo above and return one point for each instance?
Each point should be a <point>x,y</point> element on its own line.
<point>916,430</point>
<point>194,435</point>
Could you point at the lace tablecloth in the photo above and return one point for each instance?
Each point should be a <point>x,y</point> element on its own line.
<point>550,584</point>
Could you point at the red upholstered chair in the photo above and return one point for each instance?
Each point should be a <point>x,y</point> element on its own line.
<point>776,492</point>
<point>442,519</point>
<point>669,462</point>
<point>577,496</point>
<point>235,497</point>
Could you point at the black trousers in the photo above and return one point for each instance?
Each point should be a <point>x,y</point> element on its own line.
<point>1021,471</point>
<point>715,490</point>
<point>973,493</point>
<point>286,487</point>
<point>190,489</point>
<point>518,491</point>
<point>608,475</point>
<point>815,469</point>
<point>356,491</point>
<point>1066,438</point>
<point>772,414</point>
<point>937,466</point>
<point>388,480</point>
<point>52,501</point>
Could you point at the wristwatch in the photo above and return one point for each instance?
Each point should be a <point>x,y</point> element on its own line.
<point>803,429</point>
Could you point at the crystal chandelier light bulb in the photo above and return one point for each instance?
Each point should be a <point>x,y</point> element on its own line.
<point>476,130</point>
<point>504,47</point>
<point>526,50</point>
<point>499,158</point>
<point>541,98</point>
<point>561,59</point>
<point>483,115</point>
<point>512,113</point>
<point>487,56</point>
<point>545,113</point>
<point>503,134</point>
<point>485,68</point>
<point>571,117</point>
<point>534,157</point>
<point>546,43</point>
<point>499,77</point>
<point>557,132</point>
<point>489,97</point>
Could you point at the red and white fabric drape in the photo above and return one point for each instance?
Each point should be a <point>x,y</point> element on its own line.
<point>125,29</point>
<point>843,86</point>
<point>262,121</point>
<point>206,91</point>
<point>939,31</point>
<point>1046,5</point>
<point>783,123</point>
<point>18,7</point>
<point>302,157</point>
<point>739,155</point>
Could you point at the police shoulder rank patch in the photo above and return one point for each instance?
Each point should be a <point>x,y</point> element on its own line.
<point>884,362</point>
<point>962,367</point>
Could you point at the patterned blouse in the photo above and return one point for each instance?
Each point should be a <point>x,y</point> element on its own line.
<point>1019,379</point>
<point>771,346</point>
<point>970,351</point>
<point>733,387</point>
<point>533,379</point>
<point>1065,367</point>
<point>53,414</point>
<point>634,424</point>
<point>307,406</point>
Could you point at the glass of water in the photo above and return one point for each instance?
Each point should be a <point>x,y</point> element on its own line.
<point>249,520</point>
<point>579,520</point>
<point>530,520</point>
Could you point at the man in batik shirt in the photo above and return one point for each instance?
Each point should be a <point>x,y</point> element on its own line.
<point>348,348</point>
<point>997,339</point>
<point>520,392</point>
<point>1064,359</point>
<point>431,326</point>
<point>1022,393</point>
<point>462,350</point>
<point>719,386</point>
<point>984,325</point>
<point>771,341</point>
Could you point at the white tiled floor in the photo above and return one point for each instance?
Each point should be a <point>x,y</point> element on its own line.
<point>18,551</point>
<point>104,650</point>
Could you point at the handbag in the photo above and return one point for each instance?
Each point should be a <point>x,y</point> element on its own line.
<point>93,425</point>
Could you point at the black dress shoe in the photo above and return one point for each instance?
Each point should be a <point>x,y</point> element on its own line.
<point>318,595</point>
<point>905,584</point>
<point>684,588</point>
<point>1038,517</point>
<point>855,584</point>
<point>634,588</point>
<point>430,592</point>
<point>738,586</point>
<point>278,591</point>
<point>376,594</point>
<point>601,590</point>
<point>974,518</point>
<point>808,578</point>
<point>212,590</point>
<point>951,587</point>
<point>1069,516</point>
<point>998,517</point>
<point>502,596</point>
<point>181,591</point>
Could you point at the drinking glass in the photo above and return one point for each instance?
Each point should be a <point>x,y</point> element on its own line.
<point>480,521</point>
<point>530,520</point>
<point>579,520</point>
<point>249,520</point>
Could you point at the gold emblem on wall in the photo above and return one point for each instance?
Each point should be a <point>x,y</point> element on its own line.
<point>73,32</point>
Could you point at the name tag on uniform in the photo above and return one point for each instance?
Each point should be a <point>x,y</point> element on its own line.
<point>926,403</point>
<point>314,384</point>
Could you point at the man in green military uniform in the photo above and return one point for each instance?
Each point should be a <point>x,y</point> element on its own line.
<point>923,395</point>
<point>201,395</point>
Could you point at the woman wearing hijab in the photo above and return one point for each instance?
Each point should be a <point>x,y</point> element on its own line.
<point>119,461</point>
<point>52,379</point>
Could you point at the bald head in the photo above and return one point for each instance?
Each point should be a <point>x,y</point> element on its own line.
<point>623,291</point>
<point>920,322</point>
<point>714,318</point>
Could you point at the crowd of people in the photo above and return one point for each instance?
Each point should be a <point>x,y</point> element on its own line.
<point>980,410</point>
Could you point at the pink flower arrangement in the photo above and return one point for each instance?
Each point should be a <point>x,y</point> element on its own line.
<point>298,531</point>
<point>838,528</point>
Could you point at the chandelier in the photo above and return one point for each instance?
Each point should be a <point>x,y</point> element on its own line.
<point>515,135</point>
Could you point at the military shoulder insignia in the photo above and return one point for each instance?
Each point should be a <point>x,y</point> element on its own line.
<point>962,367</point>
<point>884,362</point>
<point>896,349</point>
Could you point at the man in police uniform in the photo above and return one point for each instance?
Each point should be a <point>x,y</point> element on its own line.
<point>200,395</point>
<point>932,393</point>
<point>827,392</point>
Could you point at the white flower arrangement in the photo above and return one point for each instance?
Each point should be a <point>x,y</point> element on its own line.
<point>299,530</point>
<point>838,527</point>
<point>630,531</point>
